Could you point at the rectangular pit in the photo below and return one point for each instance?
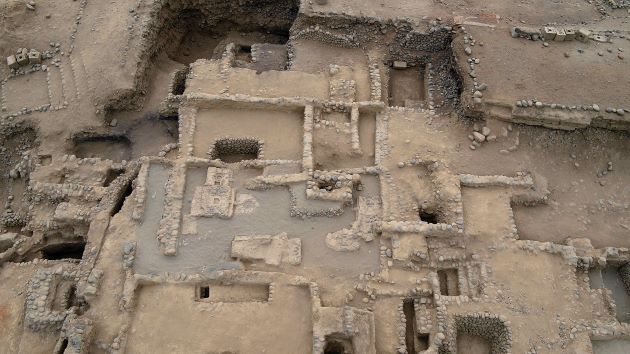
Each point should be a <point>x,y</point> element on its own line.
<point>332,141</point>
<point>612,281</point>
<point>338,344</point>
<point>613,346</point>
<point>406,87</point>
<point>233,150</point>
<point>64,250</point>
<point>112,147</point>
<point>449,282</point>
<point>414,341</point>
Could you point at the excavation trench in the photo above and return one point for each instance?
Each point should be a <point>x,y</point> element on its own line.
<point>186,31</point>
<point>130,139</point>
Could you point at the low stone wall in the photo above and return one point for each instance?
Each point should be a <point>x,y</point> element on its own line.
<point>561,116</point>
<point>168,230</point>
<point>494,181</point>
<point>326,36</point>
<point>77,333</point>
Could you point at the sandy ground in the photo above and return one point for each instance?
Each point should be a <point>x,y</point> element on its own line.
<point>523,69</point>
<point>214,325</point>
<point>101,59</point>
<point>280,130</point>
<point>582,204</point>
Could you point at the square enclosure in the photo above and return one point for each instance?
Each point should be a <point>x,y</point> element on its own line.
<point>339,143</point>
<point>282,131</point>
<point>407,87</point>
<point>25,91</point>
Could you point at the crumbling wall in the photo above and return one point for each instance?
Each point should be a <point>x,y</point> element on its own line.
<point>624,274</point>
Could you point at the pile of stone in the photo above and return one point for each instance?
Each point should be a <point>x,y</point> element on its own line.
<point>23,57</point>
<point>479,136</point>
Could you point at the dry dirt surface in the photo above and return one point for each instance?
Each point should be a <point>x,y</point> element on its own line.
<point>314,176</point>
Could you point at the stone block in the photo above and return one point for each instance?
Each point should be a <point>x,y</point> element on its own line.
<point>7,240</point>
<point>560,36</point>
<point>570,34</point>
<point>34,57</point>
<point>12,62</point>
<point>400,64</point>
<point>213,201</point>
<point>272,250</point>
<point>526,32</point>
<point>22,59</point>
<point>216,197</point>
<point>549,33</point>
<point>583,35</point>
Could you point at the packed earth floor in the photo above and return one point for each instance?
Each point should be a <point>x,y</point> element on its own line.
<point>315,176</point>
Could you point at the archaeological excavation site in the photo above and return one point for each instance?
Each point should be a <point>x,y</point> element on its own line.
<point>315,176</point>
